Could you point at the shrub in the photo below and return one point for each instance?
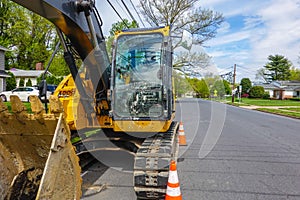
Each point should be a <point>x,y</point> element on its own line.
<point>266,95</point>
<point>245,95</point>
<point>29,83</point>
<point>295,99</point>
<point>256,92</point>
<point>11,82</point>
<point>21,83</point>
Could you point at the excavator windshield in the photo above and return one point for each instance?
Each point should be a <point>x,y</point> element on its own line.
<point>138,59</point>
<point>138,75</point>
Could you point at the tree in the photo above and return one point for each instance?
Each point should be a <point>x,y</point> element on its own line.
<point>27,34</point>
<point>11,82</point>
<point>118,26</point>
<point>278,68</point>
<point>29,83</point>
<point>261,74</point>
<point>221,87</point>
<point>22,82</point>
<point>50,79</point>
<point>227,87</point>
<point>246,85</point>
<point>295,74</point>
<point>182,15</point>
<point>195,60</point>
<point>199,86</point>
<point>181,83</point>
<point>256,92</point>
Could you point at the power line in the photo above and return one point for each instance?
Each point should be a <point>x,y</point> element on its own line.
<point>112,6</point>
<point>122,9</point>
<point>128,11</point>
<point>137,13</point>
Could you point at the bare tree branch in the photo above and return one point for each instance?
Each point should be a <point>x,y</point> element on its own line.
<point>182,15</point>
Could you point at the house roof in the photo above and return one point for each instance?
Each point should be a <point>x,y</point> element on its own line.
<point>27,73</point>
<point>3,48</point>
<point>281,85</point>
<point>4,74</point>
<point>297,89</point>
<point>268,86</point>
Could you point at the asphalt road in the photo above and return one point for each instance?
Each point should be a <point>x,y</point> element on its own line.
<point>232,153</point>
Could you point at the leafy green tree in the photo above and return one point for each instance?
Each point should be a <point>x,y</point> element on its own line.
<point>27,34</point>
<point>278,68</point>
<point>22,82</point>
<point>227,87</point>
<point>50,79</point>
<point>58,67</point>
<point>182,15</point>
<point>246,85</point>
<point>11,82</point>
<point>222,88</point>
<point>295,74</point>
<point>200,87</point>
<point>125,24</point>
<point>29,83</point>
<point>118,26</point>
<point>182,86</point>
<point>256,92</point>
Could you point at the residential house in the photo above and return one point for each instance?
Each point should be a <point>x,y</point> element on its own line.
<point>3,73</point>
<point>28,74</point>
<point>282,89</point>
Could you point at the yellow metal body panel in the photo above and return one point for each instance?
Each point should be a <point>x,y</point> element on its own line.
<point>164,30</point>
<point>142,126</point>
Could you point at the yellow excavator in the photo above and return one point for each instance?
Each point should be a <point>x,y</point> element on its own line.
<point>130,101</point>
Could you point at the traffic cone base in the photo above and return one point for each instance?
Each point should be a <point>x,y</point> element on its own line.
<point>173,187</point>
<point>181,135</point>
<point>173,193</point>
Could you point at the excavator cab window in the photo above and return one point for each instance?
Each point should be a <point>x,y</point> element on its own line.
<point>138,79</point>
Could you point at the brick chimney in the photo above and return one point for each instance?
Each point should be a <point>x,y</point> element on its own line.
<point>39,66</point>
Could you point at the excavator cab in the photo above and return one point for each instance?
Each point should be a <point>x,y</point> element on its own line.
<point>141,79</point>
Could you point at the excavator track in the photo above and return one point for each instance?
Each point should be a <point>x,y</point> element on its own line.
<point>152,160</point>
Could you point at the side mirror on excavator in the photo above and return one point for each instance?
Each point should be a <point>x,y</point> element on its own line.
<point>186,40</point>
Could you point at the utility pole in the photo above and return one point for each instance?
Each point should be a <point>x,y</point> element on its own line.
<point>233,84</point>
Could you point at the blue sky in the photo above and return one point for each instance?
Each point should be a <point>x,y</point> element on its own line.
<point>252,31</point>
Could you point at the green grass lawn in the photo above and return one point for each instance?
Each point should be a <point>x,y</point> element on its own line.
<point>295,109</point>
<point>285,105</point>
<point>280,112</point>
<point>268,102</point>
<point>27,105</point>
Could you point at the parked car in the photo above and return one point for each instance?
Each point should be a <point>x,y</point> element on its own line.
<point>51,88</point>
<point>22,92</point>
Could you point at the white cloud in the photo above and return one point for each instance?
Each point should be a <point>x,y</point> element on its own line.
<point>224,28</point>
<point>229,38</point>
<point>282,29</point>
<point>270,27</point>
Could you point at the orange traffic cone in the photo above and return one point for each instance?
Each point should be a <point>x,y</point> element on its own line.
<point>173,188</point>
<point>182,139</point>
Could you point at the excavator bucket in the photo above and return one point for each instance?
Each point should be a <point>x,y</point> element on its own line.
<point>37,159</point>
